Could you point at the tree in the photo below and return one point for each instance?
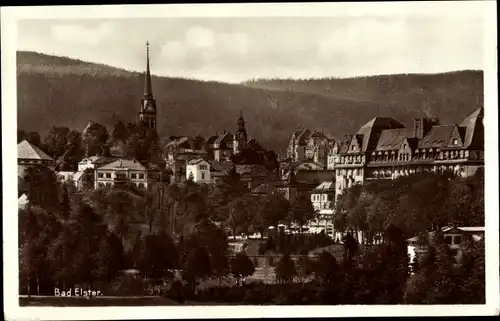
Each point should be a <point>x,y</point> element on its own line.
<point>302,211</point>
<point>120,132</point>
<point>37,229</point>
<point>239,215</point>
<point>285,269</point>
<point>241,266</point>
<point>157,255</point>
<point>34,139</point>
<point>305,268</point>
<point>123,207</point>
<point>94,137</point>
<point>275,208</point>
<point>57,141</point>
<point>226,190</point>
<point>64,207</point>
<point>326,268</point>
<point>42,187</point>
<point>21,135</point>
<point>196,261</point>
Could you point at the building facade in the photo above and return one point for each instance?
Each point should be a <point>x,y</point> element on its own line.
<point>323,196</point>
<point>307,145</point>
<point>93,162</point>
<point>198,169</point>
<point>384,149</point>
<point>28,155</point>
<point>121,171</point>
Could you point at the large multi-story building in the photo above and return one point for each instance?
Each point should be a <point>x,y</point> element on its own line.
<point>122,171</point>
<point>28,155</point>
<point>307,145</point>
<point>384,149</point>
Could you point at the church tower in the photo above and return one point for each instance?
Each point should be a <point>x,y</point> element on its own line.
<point>240,138</point>
<point>147,113</point>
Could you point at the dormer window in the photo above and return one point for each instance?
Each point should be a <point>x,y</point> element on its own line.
<point>404,146</point>
<point>353,147</point>
<point>455,141</point>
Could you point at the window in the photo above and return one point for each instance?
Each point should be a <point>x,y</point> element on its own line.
<point>108,175</point>
<point>141,185</point>
<point>455,141</point>
<point>447,239</point>
<point>353,147</point>
<point>100,175</point>
<point>101,185</point>
<point>457,239</point>
<point>141,176</point>
<point>202,175</point>
<point>133,175</point>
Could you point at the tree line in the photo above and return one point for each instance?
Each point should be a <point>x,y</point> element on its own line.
<point>416,203</point>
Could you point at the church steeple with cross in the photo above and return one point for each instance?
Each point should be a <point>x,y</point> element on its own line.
<point>147,113</point>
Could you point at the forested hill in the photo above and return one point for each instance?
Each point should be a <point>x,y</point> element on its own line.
<point>63,91</point>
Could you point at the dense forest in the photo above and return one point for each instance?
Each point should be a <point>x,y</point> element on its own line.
<point>74,92</point>
<point>89,237</point>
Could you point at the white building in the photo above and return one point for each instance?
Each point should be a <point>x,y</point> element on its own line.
<point>121,171</point>
<point>199,169</point>
<point>453,236</point>
<point>23,201</point>
<point>74,178</point>
<point>93,162</point>
<point>323,196</point>
<point>29,155</point>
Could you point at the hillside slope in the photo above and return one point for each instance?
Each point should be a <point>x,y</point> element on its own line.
<point>62,91</point>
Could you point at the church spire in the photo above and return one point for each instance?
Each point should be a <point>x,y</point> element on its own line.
<point>148,92</point>
<point>147,112</point>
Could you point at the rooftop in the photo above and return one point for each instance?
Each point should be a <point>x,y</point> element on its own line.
<point>129,164</point>
<point>25,150</point>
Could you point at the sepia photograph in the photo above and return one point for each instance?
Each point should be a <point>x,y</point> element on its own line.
<point>267,155</point>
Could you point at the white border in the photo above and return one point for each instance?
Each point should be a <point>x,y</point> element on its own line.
<point>10,15</point>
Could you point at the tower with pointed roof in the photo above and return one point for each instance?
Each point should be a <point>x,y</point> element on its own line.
<point>147,112</point>
<point>240,137</point>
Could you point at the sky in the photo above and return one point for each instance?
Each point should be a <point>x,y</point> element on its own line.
<point>235,49</point>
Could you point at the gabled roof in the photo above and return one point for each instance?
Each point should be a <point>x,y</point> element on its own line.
<point>25,150</point>
<point>252,170</point>
<point>303,136</point>
<point>224,137</point>
<point>391,139</point>
<point>130,164</point>
<point>438,136</point>
<point>98,159</point>
<point>264,189</point>
<point>325,186</point>
<point>211,139</point>
<point>194,161</point>
<point>474,134</point>
<point>373,127</point>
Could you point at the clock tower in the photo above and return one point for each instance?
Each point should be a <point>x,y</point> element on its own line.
<point>147,113</point>
<point>240,138</point>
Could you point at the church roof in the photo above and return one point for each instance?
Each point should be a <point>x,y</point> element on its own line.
<point>25,150</point>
